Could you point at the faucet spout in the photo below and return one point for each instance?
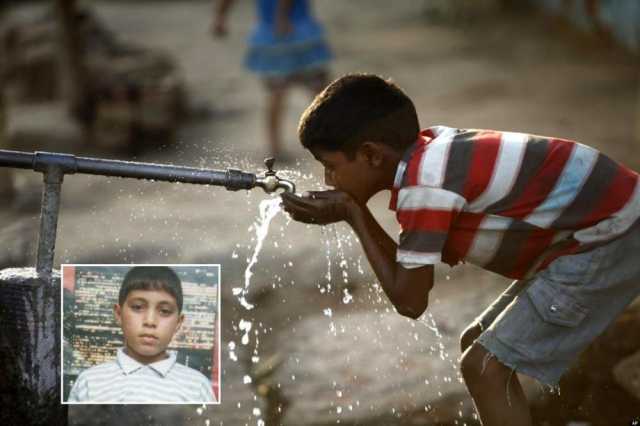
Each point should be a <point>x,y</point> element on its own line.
<point>271,182</point>
<point>287,186</point>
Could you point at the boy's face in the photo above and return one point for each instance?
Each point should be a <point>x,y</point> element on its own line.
<point>149,319</point>
<point>357,177</point>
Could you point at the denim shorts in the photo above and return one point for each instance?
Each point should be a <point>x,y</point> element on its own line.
<point>539,326</point>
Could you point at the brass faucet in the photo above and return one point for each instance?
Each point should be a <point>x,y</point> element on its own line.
<point>270,182</point>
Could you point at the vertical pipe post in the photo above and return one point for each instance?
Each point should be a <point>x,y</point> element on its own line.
<point>52,177</point>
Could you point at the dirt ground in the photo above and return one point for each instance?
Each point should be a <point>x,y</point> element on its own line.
<point>516,72</point>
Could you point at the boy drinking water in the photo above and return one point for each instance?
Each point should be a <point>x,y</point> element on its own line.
<point>149,311</point>
<point>557,216</point>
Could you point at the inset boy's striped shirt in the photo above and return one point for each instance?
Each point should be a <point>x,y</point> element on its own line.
<point>125,380</point>
<point>508,202</point>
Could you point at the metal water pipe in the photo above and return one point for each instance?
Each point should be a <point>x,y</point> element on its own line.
<point>54,166</point>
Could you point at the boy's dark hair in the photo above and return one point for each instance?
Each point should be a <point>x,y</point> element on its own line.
<point>356,108</point>
<point>151,278</point>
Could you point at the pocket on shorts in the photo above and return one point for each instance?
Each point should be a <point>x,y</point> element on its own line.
<point>542,320</point>
<point>555,305</point>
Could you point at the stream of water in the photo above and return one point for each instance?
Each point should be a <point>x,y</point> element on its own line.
<point>335,243</point>
<point>268,210</point>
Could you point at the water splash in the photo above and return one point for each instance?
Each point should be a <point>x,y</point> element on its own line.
<point>347,297</point>
<point>268,210</point>
<point>327,276</point>
<point>246,327</point>
<point>232,351</point>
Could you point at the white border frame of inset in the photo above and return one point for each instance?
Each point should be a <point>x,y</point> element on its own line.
<point>216,367</point>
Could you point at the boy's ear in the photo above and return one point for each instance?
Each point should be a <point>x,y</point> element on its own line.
<point>373,153</point>
<point>118,313</point>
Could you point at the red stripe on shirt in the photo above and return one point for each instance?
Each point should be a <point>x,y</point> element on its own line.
<point>393,201</point>
<point>543,182</point>
<point>570,247</point>
<point>616,195</point>
<point>482,164</point>
<point>460,239</point>
<point>413,166</point>
<point>538,241</point>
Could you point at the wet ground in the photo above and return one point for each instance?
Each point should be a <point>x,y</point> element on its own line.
<point>510,72</point>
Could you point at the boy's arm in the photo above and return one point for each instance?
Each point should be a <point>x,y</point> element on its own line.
<point>407,289</point>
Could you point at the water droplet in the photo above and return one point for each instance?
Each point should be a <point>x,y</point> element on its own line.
<point>246,327</point>
<point>347,298</point>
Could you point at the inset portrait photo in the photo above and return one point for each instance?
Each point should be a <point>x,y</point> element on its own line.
<point>141,334</point>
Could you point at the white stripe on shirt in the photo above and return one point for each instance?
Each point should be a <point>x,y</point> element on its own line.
<point>505,171</point>
<point>434,160</point>
<point>411,258</point>
<point>125,381</point>
<point>487,240</point>
<point>574,174</point>
<point>424,197</point>
<point>397,181</point>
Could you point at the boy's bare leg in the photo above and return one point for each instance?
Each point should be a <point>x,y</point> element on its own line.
<point>495,389</point>
<point>275,106</point>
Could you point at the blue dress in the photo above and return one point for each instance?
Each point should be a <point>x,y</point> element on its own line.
<point>303,49</point>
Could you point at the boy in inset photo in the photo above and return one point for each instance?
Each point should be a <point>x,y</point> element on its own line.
<point>149,313</point>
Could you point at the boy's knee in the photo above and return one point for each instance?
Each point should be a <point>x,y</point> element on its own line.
<point>469,335</point>
<point>480,367</point>
<point>471,364</point>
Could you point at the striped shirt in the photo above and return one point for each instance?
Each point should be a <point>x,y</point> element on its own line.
<point>507,202</point>
<point>125,380</point>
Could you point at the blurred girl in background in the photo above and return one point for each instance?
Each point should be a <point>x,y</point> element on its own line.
<point>286,47</point>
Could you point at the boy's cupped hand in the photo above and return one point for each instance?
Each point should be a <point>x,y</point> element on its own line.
<point>318,207</point>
